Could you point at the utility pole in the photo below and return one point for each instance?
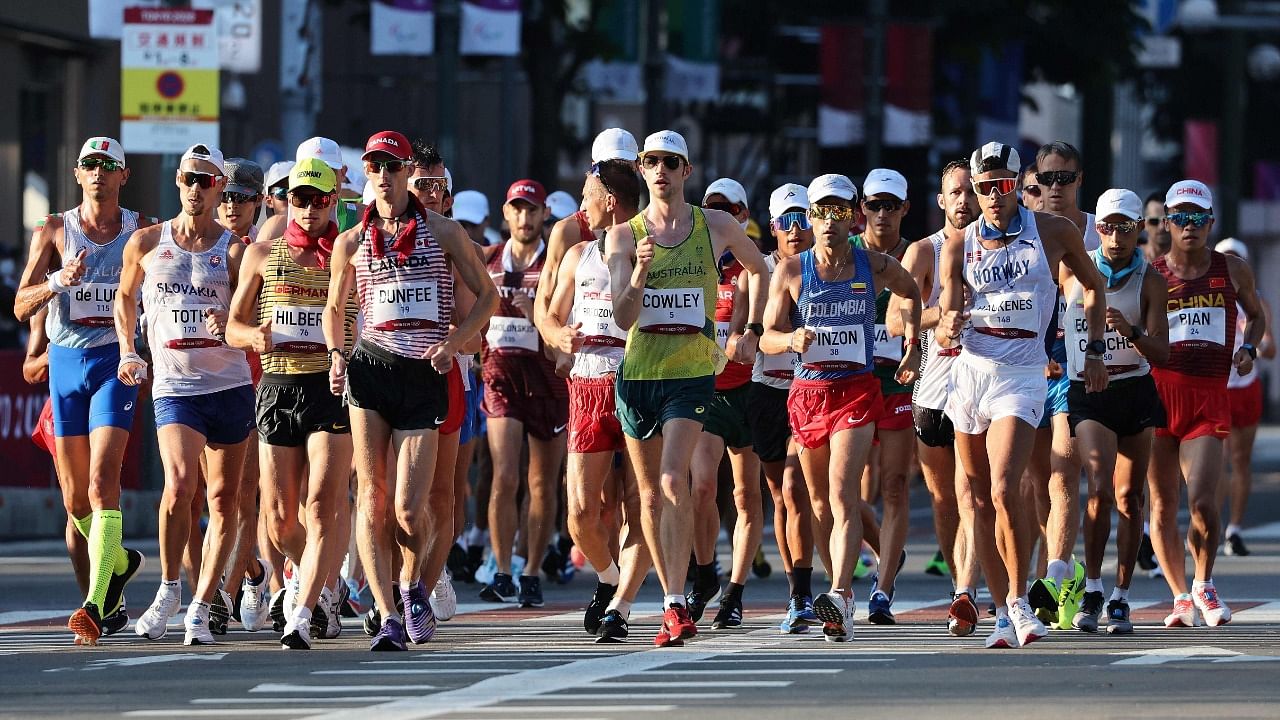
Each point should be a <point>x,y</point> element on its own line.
<point>651,60</point>
<point>300,70</point>
<point>1231,131</point>
<point>448,22</point>
<point>878,13</point>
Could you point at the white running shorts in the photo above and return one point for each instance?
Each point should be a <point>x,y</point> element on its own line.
<point>980,392</point>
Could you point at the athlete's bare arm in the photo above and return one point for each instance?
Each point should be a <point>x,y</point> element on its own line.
<point>342,278</point>
<point>463,302</point>
<point>35,365</point>
<point>952,315</point>
<point>628,263</point>
<point>727,234</point>
<point>136,249</point>
<point>564,235</point>
<point>1064,244</point>
<point>43,257</point>
<point>784,290</point>
<point>1247,296</point>
<point>461,250</point>
<point>567,339</point>
<point>738,320</point>
<point>243,330</point>
<point>215,319</point>
<point>1154,344</point>
<point>889,274</point>
<point>1266,348</point>
<point>272,227</point>
<point>918,261</point>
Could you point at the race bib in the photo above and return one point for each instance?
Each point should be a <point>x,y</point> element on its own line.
<point>512,334</point>
<point>1006,315</point>
<point>722,335</point>
<point>680,311</point>
<point>406,306</point>
<point>888,348</point>
<point>1122,356</point>
<point>778,366</point>
<point>181,327</point>
<point>1202,325</point>
<point>92,304</point>
<point>596,316</point>
<point>836,348</point>
<point>296,328</point>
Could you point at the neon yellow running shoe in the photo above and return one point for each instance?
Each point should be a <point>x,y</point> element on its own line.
<point>1043,598</point>
<point>1070,597</point>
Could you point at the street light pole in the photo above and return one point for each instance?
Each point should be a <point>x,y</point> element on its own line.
<point>1232,130</point>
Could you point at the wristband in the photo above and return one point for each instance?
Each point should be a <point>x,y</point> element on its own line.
<point>55,283</point>
<point>913,342</point>
<point>1092,356</point>
<point>136,359</point>
<point>339,351</point>
<point>1253,351</point>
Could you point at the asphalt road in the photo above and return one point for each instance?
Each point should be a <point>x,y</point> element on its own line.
<point>493,661</point>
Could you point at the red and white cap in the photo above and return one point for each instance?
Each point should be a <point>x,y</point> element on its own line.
<point>390,142</point>
<point>1189,192</point>
<point>110,147</point>
<point>321,148</point>
<point>527,190</point>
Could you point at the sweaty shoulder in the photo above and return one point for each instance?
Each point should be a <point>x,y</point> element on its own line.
<point>1056,227</point>
<point>147,237</point>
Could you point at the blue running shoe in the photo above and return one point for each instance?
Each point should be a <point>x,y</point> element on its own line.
<point>880,609</point>
<point>420,621</point>
<point>794,624</point>
<point>390,637</point>
<point>806,611</point>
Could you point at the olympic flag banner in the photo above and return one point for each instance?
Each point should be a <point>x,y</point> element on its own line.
<point>168,79</point>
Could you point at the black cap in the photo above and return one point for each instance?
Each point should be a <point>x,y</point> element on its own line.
<point>244,176</point>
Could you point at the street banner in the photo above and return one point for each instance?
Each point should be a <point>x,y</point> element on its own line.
<point>402,27</point>
<point>168,80</point>
<point>239,26</point>
<point>490,27</point>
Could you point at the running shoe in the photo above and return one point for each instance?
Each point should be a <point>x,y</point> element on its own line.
<point>255,606</point>
<point>115,622</point>
<point>880,608</point>
<point>553,564</point>
<point>729,615</point>
<point>937,566</point>
<point>154,623</point>
<point>596,609</point>
<point>793,623</point>
<point>320,613</point>
<point>1086,618</point>
<point>1235,546</point>
<point>501,590</point>
<point>613,628</point>
<point>962,616</point>
<point>371,622</point>
<point>836,613</point>
<point>1025,623</point>
<point>699,598</point>
<point>1043,596</point>
<point>444,601</point>
<point>1070,597</point>
<point>86,623</point>
<point>390,637</point>
<point>862,568</point>
<point>806,611</point>
<point>1118,618</point>
<point>568,568</point>
<point>420,622</point>
<point>276,611</point>
<point>115,587</point>
<point>1147,554</point>
<point>1212,609</point>
<point>677,626</point>
<point>1003,636</point>
<point>196,625</point>
<point>475,561</point>
<point>297,635</point>
<point>530,591</point>
<point>1184,613</point>
<point>458,566</point>
<point>220,611</point>
<point>334,628</point>
<point>760,567</point>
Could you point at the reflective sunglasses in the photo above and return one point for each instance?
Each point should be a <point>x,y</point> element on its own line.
<point>1057,177</point>
<point>236,198</point>
<point>204,180</point>
<point>377,167</point>
<point>431,184</point>
<point>670,162</point>
<point>1032,190</point>
<point>731,208</point>
<point>875,206</point>
<point>280,193</point>
<point>1196,219</point>
<point>1106,228</point>
<point>1002,186</point>
<point>315,200</point>
<point>106,165</point>
<point>787,221</point>
<point>836,213</point>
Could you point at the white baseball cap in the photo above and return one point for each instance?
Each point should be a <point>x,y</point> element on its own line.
<point>470,206</point>
<point>279,172</point>
<point>1189,192</point>
<point>208,154</point>
<point>1234,246</point>
<point>102,145</point>
<point>562,204</point>
<point>668,141</point>
<point>614,144</point>
<point>323,149</point>
<point>785,197</point>
<point>1118,201</point>
<point>884,180</point>
<point>368,196</point>
<point>731,189</point>
<point>831,185</point>
<point>1006,154</point>
<point>448,181</point>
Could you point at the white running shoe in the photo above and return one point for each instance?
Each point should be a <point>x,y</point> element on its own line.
<point>297,634</point>
<point>1184,613</point>
<point>333,628</point>
<point>444,602</point>
<point>1003,636</point>
<point>1025,623</point>
<point>1212,609</point>
<point>836,613</point>
<point>255,601</point>
<point>154,623</point>
<point>197,625</point>
<point>292,587</point>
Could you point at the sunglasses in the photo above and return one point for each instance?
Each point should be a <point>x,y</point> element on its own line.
<point>431,184</point>
<point>875,206</point>
<point>1196,219</point>
<point>787,221</point>
<point>106,165</point>
<point>204,180</point>
<point>315,200</point>
<point>1032,190</point>
<point>595,172</point>
<point>670,162</point>
<point>236,198</point>
<point>1106,228</point>
<point>280,193</point>
<point>1002,186</point>
<point>377,167</point>
<point>835,213</point>
<point>731,208</point>
<point>1154,220</point>
<point>1057,177</point>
